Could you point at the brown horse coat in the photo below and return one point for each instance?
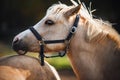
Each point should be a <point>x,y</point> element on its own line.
<point>25,68</point>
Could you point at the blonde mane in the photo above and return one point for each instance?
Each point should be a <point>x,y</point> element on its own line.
<point>96,27</point>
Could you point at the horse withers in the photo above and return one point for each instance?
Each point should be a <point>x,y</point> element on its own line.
<point>93,50</point>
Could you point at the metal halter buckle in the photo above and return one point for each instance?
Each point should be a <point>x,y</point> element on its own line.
<point>41,43</point>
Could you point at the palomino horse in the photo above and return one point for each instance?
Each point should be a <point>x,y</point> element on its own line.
<point>93,49</point>
<point>25,68</point>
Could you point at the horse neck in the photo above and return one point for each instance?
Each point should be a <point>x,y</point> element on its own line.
<point>90,61</point>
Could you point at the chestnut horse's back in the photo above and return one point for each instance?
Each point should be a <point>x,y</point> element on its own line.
<point>25,68</point>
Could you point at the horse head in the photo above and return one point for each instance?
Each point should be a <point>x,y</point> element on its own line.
<point>54,26</point>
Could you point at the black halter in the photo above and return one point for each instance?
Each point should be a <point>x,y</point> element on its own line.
<point>66,41</point>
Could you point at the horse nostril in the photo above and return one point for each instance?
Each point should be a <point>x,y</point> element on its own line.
<point>16,40</point>
<point>15,44</point>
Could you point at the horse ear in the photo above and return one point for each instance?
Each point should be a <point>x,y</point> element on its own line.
<point>72,11</point>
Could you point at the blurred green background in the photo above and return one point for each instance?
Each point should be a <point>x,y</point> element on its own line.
<point>18,15</point>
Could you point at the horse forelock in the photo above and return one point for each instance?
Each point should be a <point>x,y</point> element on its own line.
<point>56,8</point>
<point>62,8</point>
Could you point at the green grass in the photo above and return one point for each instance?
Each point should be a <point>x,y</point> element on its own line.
<point>59,63</point>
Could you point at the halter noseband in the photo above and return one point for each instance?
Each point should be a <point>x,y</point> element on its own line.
<point>66,41</point>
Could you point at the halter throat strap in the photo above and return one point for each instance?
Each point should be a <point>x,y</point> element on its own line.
<point>66,41</point>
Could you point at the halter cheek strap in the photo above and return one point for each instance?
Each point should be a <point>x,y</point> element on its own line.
<point>66,41</point>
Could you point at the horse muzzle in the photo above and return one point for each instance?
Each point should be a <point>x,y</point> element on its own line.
<point>19,46</point>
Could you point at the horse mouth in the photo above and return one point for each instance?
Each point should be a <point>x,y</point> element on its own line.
<point>21,52</point>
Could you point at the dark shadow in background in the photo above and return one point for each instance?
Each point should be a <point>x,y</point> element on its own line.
<point>18,15</point>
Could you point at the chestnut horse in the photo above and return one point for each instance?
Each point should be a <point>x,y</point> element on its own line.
<point>93,49</point>
<point>25,68</point>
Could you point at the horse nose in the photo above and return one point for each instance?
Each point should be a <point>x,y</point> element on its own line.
<point>19,46</point>
<point>16,44</point>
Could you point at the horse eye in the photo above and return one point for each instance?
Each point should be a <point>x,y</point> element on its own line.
<point>49,22</point>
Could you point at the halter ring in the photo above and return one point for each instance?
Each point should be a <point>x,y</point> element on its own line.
<point>73,29</point>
